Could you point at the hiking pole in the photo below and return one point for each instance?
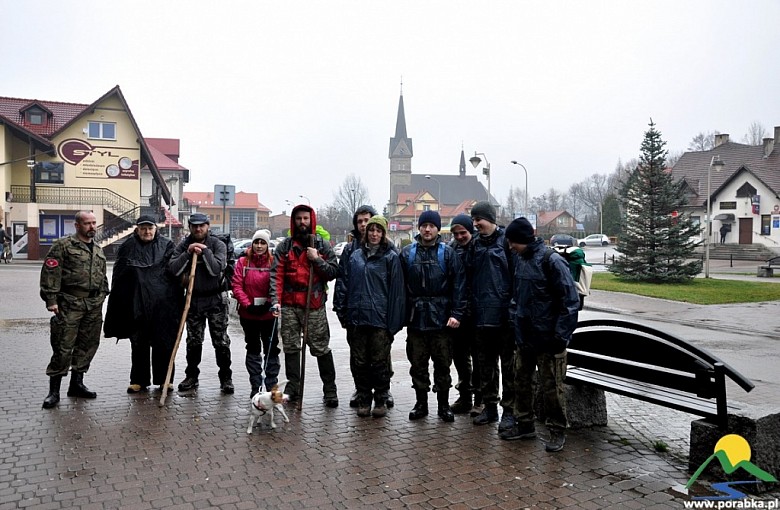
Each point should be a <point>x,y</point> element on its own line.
<point>305,340</point>
<point>183,321</point>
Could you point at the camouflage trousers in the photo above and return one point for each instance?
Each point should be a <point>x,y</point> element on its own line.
<point>75,334</point>
<point>494,345</point>
<point>217,318</point>
<point>291,330</point>
<point>424,346</point>
<point>552,372</point>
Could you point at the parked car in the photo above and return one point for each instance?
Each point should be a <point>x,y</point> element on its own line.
<point>240,246</point>
<point>562,240</point>
<point>339,248</point>
<point>595,240</point>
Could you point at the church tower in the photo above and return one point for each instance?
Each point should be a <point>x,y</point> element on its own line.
<point>400,157</point>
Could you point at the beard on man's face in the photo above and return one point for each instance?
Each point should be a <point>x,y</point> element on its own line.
<point>302,231</point>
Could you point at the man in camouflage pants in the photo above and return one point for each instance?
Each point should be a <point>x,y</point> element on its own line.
<point>209,301</point>
<point>74,285</point>
<point>295,259</point>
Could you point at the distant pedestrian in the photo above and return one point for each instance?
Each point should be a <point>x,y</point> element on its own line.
<point>546,303</point>
<point>491,286</point>
<point>302,254</point>
<point>145,304</point>
<point>464,351</point>
<point>724,229</point>
<point>209,301</point>
<point>435,284</point>
<point>74,286</point>
<point>372,307</point>
<point>251,288</point>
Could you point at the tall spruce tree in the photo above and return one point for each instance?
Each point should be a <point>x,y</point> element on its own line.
<point>658,238</point>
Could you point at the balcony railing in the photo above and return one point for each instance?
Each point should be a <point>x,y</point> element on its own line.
<point>73,196</point>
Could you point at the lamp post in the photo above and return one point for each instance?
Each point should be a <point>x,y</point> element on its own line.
<point>438,197</point>
<point>486,170</point>
<point>718,165</point>
<point>525,205</point>
<point>308,202</point>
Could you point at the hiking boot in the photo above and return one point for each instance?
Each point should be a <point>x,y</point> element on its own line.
<point>445,413</point>
<point>161,387</point>
<point>190,383</point>
<point>353,400</point>
<point>135,388</point>
<point>518,431</point>
<point>54,392</point>
<point>420,410</point>
<point>389,400</point>
<point>363,411</point>
<point>462,405</point>
<point>227,386</point>
<point>77,388</point>
<point>507,421</point>
<point>331,402</point>
<point>556,441</point>
<point>379,411</point>
<point>488,415</point>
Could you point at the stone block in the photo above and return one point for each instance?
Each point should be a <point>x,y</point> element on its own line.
<point>586,406</point>
<point>761,433</point>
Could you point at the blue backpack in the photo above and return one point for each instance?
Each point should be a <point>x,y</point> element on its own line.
<point>439,254</point>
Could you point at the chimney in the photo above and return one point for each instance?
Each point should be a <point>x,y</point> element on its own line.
<point>777,135</point>
<point>769,145</point>
<point>721,138</point>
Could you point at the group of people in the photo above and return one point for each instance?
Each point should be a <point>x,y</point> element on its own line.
<point>492,301</point>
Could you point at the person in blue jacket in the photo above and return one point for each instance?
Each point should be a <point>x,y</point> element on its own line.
<point>435,290</point>
<point>372,306</point>
<point>545,316</point>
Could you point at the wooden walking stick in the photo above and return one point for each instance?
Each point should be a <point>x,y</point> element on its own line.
<point>305,339</point>
<point>182,322</point>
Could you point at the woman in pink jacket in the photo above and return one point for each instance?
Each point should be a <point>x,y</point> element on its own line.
<point>251,283</point>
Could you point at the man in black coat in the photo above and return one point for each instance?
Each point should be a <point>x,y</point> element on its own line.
<point>145,303</point>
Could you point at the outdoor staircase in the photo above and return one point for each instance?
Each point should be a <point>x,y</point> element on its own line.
<point>758,252</point>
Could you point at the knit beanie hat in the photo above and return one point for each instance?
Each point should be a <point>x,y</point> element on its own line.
<point>464,220</point>
<point>429,217</point>
<point>377,220</point>
<point>484,210</point>
<point>263,234</point>
<point>520,231</point>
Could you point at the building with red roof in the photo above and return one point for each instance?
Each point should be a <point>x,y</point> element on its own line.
<point>241,219</point>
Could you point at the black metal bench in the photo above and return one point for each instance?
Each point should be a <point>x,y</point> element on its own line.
<point>649,365</point>
<point>768,268</point>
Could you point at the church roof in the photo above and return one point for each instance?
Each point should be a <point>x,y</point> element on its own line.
<point>454,188</point>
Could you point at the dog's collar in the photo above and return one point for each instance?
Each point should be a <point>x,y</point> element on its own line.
<point>259,408</point>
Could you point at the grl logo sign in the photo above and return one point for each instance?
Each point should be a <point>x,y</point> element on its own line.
<point>96,161</point>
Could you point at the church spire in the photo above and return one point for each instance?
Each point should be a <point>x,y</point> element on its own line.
<point>462,172</point>
<point>400,123</point>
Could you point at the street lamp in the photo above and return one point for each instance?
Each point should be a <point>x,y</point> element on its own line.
<point>438,197</point>
<point>308,202</point>
<point>718,165</point>
<point>525,206</point>
<point>476,161</point>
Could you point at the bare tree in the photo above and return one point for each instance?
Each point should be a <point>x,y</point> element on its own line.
<point>755,135</point>
<point>703,141</point>
<point>351,194</point>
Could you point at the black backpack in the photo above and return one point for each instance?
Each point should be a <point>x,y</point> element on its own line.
<point>230,268</point>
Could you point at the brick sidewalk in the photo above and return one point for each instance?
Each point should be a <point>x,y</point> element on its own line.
<point>122,451</point>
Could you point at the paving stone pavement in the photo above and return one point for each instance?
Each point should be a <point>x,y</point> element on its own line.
<point>125,451</point>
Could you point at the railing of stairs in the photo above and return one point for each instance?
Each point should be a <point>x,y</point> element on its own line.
<point>116,225</point>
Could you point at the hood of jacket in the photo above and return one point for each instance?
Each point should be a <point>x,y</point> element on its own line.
<point>306,208</point>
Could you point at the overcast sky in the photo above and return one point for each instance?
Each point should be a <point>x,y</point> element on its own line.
<point>288,98</point>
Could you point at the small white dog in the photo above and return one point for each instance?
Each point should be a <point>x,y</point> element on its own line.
<point>264,404</point>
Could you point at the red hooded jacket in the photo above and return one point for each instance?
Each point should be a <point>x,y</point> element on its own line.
<point>290,271</point>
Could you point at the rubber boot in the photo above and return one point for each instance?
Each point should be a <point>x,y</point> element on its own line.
<point>445,413</point>
<point>463,404</point>
<point>420,409</point>
<point>328,375</point>
<point>194,355</point>
<point>77,388</point>
<point>54,392</point>
<point>292,370</point>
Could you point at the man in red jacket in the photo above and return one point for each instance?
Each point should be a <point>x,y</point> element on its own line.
<point>298,256</point>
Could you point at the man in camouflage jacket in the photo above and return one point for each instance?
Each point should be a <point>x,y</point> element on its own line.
<point>74,285</point>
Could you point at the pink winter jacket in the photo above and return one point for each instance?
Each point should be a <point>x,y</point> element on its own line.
<point>251,280</point>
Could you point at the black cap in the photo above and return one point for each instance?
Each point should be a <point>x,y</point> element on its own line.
<point>520,231</point>
<point>199,219</point>
<point>145,220</point>
<point>484,210</point>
